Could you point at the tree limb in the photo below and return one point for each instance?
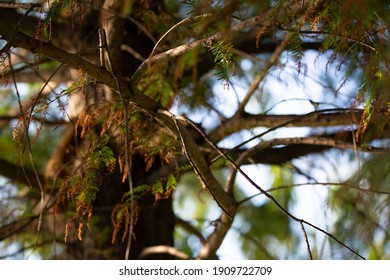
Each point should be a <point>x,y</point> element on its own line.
<point>16,226</point>
<point>320,118</point>
<point>177,51</point>
<point>190,229</point>
<point>29,76</point>
<point>203,170</point>
<point>163,249</point>
<point>16,174</point>
<point>46,121</point>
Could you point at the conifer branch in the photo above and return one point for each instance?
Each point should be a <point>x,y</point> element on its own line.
<point>177,51</point>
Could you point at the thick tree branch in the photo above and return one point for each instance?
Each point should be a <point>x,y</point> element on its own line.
<point>18,174</point>
<point>214,241</point>
<point>190,229</point>
<point>16,226</point>
<point>28,76</point>
<point>321,118</point>
<point>246,43</point>
<point>46,121</point>
<point>202,169</point>
<point>319,143</point>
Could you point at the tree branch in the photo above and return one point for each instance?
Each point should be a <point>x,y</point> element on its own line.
<point>28,76</point>
<point>163,249</point>
<point>177,51</point>
<point>16,226</point>
<point>73,61</point>
<point>203,170</point>
<point>315,141</point>
<point>16,174</point>
<point>262,74</point>
<point>320,118</point>
<point>46,121</point>
<point>190,229</point>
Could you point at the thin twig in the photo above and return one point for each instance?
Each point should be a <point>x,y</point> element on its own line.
<point>184,21</point>
<point>133,52</point>
<point>315,184</point>
<point>306,240</point>
<point>41,92</point>
<point>320,32</point>
<point>262,74</point>
<point>29,148</point>
<point>236,168</point>
<point>103,40</point>
<point>14,32</point>
<point>177,51</point>
<point>9,5</point>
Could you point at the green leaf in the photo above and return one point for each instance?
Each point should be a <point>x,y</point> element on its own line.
<point>158,188</point>
<point>171,182</point>
<point>224,60</point>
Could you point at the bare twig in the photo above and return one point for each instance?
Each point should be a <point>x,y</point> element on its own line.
<point>9,5</point>
<point>191,229</point>
<point>133,52</point>
<point>103,44</point>
<point>187,47</point>
<point>306,240</point>
<point>15,30</point>
<point>261,75</point>
<point>182,22</point>
<point>343,185</point>
<point>30,153</point>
